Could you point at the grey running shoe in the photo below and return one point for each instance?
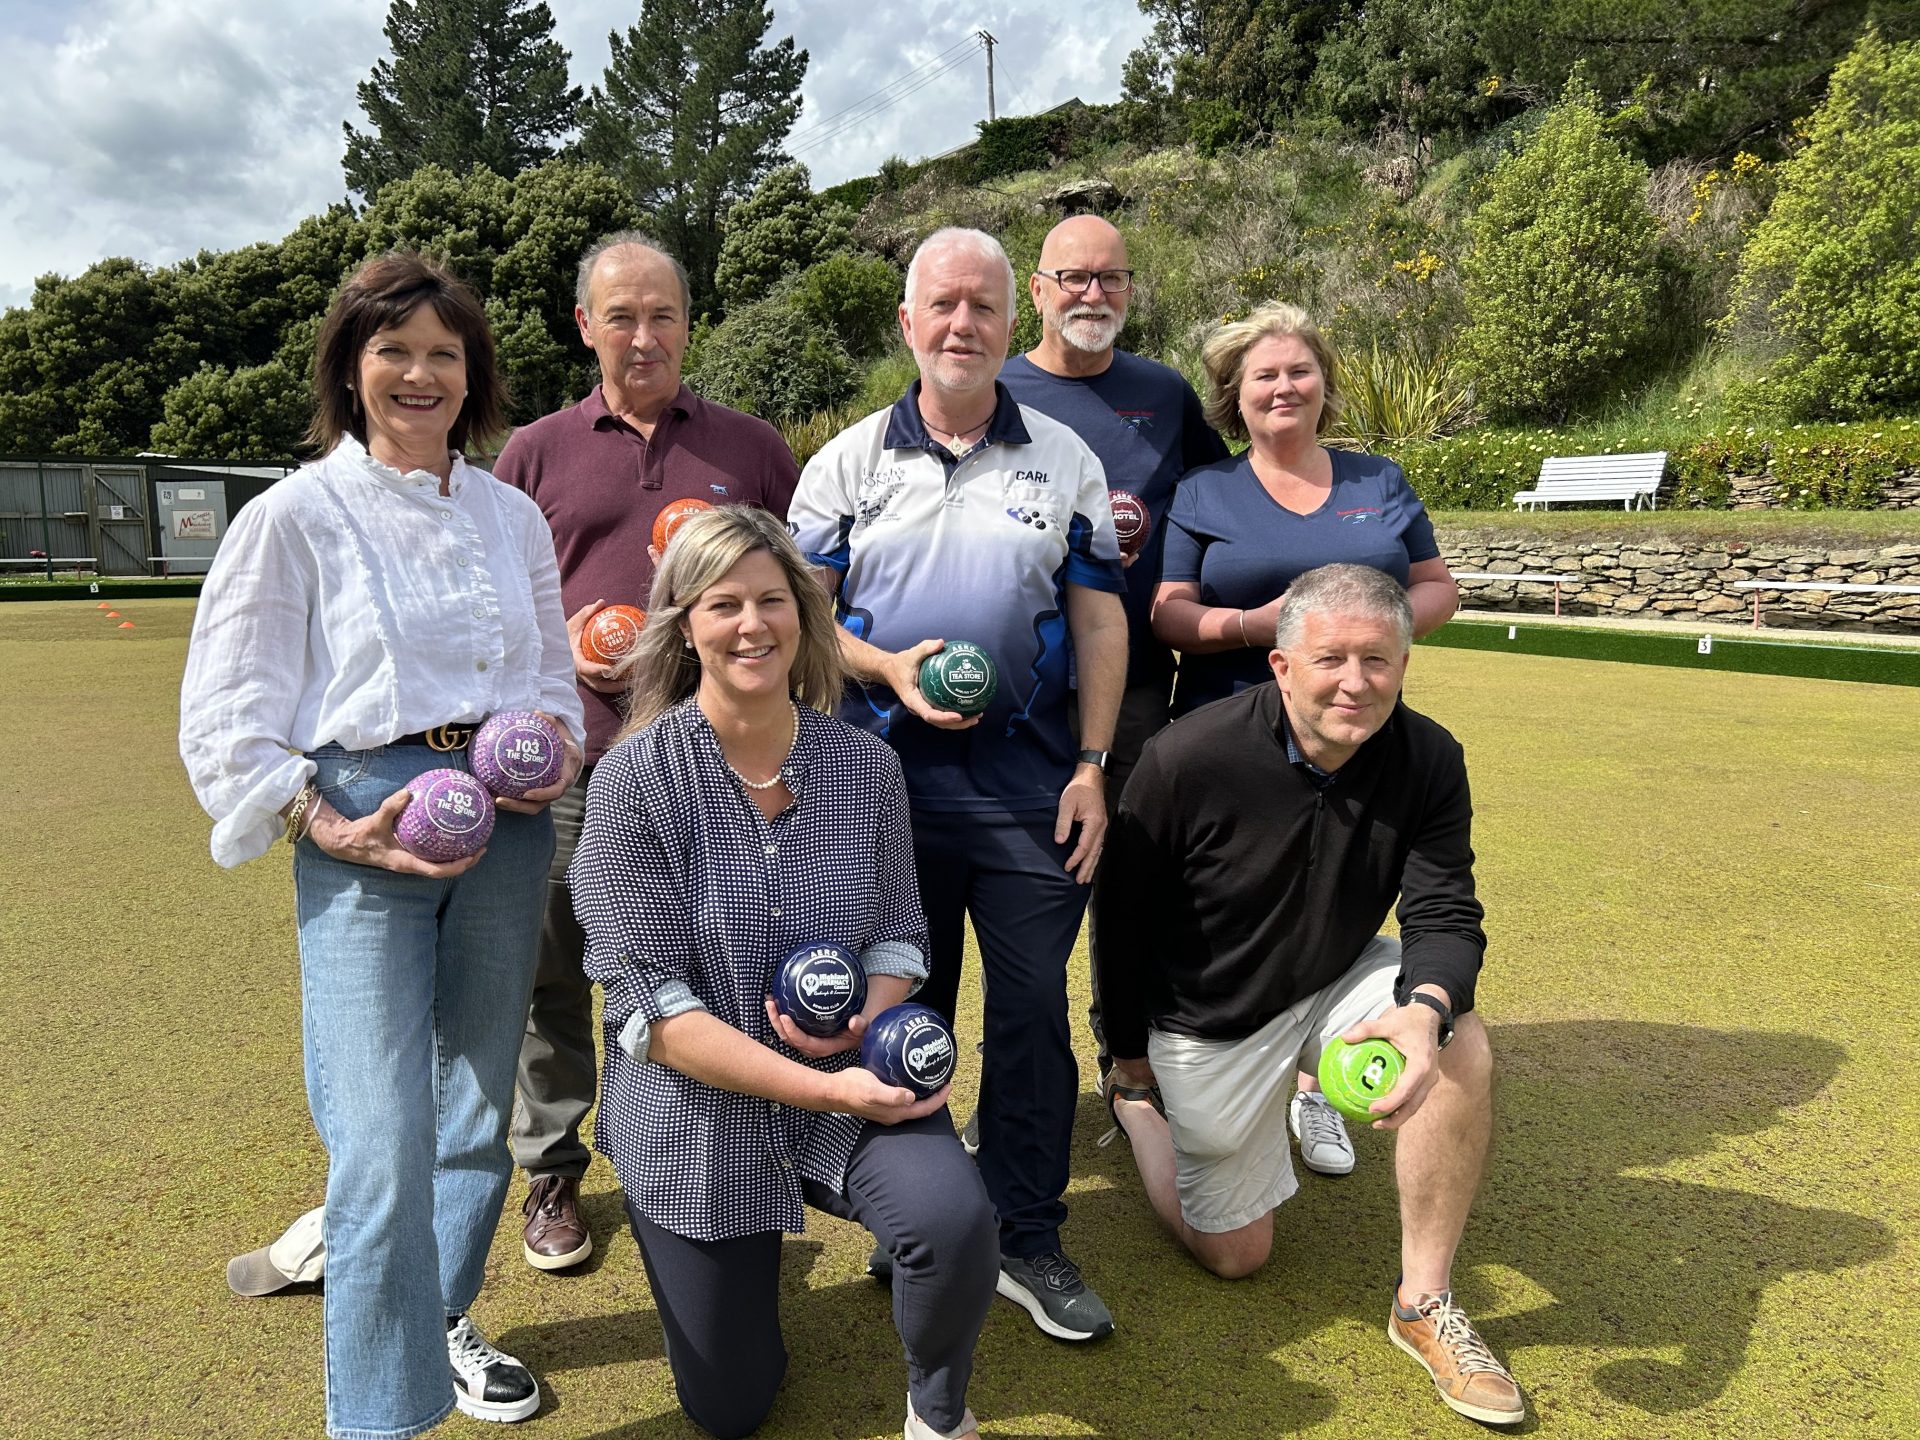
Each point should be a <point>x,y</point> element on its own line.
<point>1049,1288</point>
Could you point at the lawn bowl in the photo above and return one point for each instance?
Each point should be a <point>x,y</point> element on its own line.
<point>672,516</point>
<point>1352,1077</point>
<point>1132,523</point>
<point>820,988</point>
<point>611,636</point>
<point>449,816</point>
<point>961,678</point>
<point>910,1045</point>
<point>516,751</point>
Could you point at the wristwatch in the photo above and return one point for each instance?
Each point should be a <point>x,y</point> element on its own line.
<point>1093,757</point>
<point>1434,1002</point>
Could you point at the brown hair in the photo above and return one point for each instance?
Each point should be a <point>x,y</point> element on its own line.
<point>1225,356</point>
<point>666,670</point>
<point>381,294</point>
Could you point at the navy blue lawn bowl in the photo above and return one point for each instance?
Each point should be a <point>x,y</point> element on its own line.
<point>820,988</point>
<point>910,1045</point>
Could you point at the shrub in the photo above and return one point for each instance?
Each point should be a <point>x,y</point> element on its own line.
<point>1016,143</point>
<point>779,229</point>
<point>772,361</point>
<point>258,412</point>
<point>1562,277</point>
<point>1812,467</point>
<point>1394,399</point>
<point>1829,286</point>
<point>857,297</point>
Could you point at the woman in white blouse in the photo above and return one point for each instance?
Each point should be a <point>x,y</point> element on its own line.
<point>361,617</point>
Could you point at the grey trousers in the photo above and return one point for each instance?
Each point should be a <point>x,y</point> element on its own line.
<point>719,1300</point>
<point>557,1059</point>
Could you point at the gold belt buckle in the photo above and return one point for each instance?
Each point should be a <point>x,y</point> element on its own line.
<point>448,737</point>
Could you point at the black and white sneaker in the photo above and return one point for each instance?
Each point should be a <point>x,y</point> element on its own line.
<point>1049,1288</point>
<point>487,1383</point>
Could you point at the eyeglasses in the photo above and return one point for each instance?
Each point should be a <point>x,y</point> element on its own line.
<point>1113,282</point>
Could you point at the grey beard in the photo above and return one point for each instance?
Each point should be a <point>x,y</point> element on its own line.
<point>1089,339</point>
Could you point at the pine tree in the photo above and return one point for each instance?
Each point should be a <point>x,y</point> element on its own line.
<point>693,113</point>
<point>471,82</point>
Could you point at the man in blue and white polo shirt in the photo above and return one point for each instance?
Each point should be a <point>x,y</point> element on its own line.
<point>959,514</point>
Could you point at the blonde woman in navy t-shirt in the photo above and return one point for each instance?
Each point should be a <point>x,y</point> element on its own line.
<point>1240,530</point>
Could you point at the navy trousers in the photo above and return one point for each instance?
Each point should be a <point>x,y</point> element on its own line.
<point>1004,872</point>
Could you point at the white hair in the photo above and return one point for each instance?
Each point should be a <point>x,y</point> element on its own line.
<point>977,243</point>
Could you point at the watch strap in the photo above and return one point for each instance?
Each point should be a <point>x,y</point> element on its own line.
<point>1439,1006</point>
<point>1093,757</point>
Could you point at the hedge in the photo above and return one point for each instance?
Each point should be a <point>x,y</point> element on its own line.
<point>1815,467</point>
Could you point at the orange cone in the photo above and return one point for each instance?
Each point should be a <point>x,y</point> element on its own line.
<point>124,625</point>
<point>113,614</point>
<point>103,605</point>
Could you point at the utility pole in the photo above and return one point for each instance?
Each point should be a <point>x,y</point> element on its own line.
<point>989,42</point>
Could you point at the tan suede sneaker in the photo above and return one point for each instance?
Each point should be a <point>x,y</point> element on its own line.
<point>1437,1333</point>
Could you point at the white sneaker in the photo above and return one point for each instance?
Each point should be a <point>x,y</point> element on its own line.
<point>1322,1134</point>
<point>488,1384</point>
<point>918,1429</point>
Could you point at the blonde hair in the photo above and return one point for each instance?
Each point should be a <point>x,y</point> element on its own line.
<point>1225,357</point>
<point>666,669</point>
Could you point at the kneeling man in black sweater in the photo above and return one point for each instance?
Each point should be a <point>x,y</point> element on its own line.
<point>1259,845</point>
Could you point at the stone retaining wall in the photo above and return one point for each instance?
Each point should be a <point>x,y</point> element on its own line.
<point>1762,492</point>
<point>1661,578</point>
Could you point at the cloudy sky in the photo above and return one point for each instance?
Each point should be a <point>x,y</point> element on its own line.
<point>154,128</point>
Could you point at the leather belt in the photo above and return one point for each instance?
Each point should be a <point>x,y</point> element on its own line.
<point>441,737</point>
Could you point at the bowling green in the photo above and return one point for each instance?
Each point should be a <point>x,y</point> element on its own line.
<point>1701,1215</point>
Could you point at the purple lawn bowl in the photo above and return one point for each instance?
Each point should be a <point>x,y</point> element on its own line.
<point>517,751</point>
<point>449,817</point>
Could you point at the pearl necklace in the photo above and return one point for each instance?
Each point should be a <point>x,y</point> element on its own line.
<point>778,774</point>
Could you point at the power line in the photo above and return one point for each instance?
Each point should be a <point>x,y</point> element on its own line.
<point>874,109</point>
<point>965,44</point>
<point>871,110</point>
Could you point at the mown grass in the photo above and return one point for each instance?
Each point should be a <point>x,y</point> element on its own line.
<point>1851,528</point>
<point>1702,1216</point>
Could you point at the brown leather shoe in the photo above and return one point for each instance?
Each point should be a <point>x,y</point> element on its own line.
<point>1437,1333</point>
<point>556,1236</point>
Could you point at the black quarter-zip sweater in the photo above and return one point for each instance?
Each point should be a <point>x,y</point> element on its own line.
<point>1234,885</point>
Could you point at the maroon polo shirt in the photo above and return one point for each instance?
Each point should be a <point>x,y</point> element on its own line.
<point>600,484</point>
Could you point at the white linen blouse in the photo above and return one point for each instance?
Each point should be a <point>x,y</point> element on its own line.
<point>353,604</point>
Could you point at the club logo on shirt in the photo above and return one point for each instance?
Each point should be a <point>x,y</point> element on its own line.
<point>1359,516</point>
<point>874,500</point>
<point>716,489</point>
<point>1135,419</point>
<point>1027,515</point>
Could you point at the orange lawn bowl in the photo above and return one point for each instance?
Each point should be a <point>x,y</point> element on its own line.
<point>672,516</point>
<point>611,636</point>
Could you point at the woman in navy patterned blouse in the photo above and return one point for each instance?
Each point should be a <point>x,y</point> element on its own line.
<point>733,820</point>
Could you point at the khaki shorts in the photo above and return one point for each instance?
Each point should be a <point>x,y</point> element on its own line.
<point>1227,1099</point>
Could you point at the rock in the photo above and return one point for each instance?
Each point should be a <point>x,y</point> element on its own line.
<point>1631,603</point>
<point>1082,197</point>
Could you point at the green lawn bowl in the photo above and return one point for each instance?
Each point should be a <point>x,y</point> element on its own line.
<point>961,678</point>
<point>1354,1076</point>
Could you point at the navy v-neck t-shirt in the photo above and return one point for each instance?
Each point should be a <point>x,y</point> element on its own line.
<point>1243,549</point>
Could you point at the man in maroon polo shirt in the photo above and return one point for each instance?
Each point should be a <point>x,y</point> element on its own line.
<point>601,471</point>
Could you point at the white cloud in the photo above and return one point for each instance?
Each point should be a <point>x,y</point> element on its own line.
<point>155,128</point>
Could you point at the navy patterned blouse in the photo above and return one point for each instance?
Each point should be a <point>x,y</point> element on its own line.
<point>689,896</point>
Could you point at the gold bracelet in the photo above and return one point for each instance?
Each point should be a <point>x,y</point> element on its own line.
<point>297,813</point>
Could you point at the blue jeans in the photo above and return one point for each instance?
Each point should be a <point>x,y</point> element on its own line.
<point>413,999</point>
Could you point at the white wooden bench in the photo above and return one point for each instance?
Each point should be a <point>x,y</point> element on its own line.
<point>1757,586</point>
<point>1633,480</point>
<point>1526,577</point>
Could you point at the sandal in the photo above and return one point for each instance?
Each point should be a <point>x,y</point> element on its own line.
<point>1112,1089</point>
